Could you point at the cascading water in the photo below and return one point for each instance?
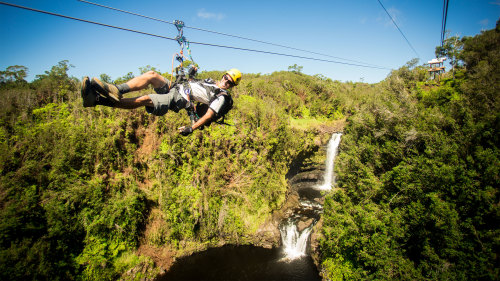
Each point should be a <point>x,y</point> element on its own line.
<point>294,242</point>
<point>333,146</point>
<point>294,239</point>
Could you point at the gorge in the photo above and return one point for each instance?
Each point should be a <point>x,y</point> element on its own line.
<point>288,262</point>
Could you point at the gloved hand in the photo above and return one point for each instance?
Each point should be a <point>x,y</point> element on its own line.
<point>192,72</point>
<point>186,130</point>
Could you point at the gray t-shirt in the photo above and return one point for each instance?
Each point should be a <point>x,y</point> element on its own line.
<point>203,94</point>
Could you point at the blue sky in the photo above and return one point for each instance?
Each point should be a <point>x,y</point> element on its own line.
<point>358,30</point>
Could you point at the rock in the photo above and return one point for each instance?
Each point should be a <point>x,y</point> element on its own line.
<point>309,193</point>
<point>268,234</point>
<point>309,177</point>
<point>301,225</point>
<point>314,243</point>
<point>146,270</point>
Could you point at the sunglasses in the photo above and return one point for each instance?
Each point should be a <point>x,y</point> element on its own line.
<point>228,79</point>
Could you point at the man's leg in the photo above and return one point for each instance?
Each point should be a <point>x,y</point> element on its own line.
<point>132,103</point>
<point>135,84</point>
<point>156,104</point>
<point>146,79</point>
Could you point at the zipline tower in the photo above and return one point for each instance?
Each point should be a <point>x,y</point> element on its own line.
<point>436,67</point>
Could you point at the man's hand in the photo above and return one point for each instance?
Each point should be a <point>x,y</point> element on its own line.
<point>185,130</point>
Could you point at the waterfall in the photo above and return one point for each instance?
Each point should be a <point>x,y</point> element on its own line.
<point>295,242</point>
<point>333,146</point>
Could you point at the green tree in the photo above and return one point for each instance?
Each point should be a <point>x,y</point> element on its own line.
<point>55,85</point>
<point>124,78</point>
<point>481,57</point>
<point>14,73</point>
<point>147,68</point>
<point>295,68</point>
<point>451,49</point>
<point>105,78</point>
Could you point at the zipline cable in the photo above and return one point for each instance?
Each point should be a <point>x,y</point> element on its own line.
<point>83,20</point>
<point>399,29</point>
<point>443,23</point>
<point>220,33</point>
<point>173,39</point>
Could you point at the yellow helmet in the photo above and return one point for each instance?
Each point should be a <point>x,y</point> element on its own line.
<point>235,75</point>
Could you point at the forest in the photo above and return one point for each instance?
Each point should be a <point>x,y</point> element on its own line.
<point>104,194</point>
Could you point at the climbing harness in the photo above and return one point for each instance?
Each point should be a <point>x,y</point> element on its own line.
<point>180,72</point>
<point>182,78</point>
<point>195,112</point>
<point>181,39</point>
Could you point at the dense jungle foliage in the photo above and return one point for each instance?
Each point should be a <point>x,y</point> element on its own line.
<point>418,176</point>
<point>83,189</point>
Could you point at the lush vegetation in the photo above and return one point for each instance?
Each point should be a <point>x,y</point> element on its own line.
<point>82,189</point>
<point>419,173</point>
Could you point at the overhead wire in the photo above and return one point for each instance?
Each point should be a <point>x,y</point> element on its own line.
<point>221,33</point>
<point>400,31</point>
<point>174,39</point>
<point>443,22</point>
<point>83,20</point>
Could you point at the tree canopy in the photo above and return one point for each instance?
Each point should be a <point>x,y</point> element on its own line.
<point>418,174</point>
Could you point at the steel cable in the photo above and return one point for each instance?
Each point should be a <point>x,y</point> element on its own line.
<point>400,31</point>
<point>224,34</point>
<point>173,39</point>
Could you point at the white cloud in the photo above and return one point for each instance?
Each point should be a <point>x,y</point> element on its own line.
<point>386,20</point>
<point>395,14</point>
<point>202,13</point>
<point>484,22</point>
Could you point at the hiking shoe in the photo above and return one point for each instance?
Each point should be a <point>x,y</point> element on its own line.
<point>107,90</point>
<point>89,96</point>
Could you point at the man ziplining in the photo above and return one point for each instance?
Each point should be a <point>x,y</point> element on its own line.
<point>181,95</point>
<point>208,92</point>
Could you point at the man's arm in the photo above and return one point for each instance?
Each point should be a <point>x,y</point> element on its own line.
<point>186,130</point>
<point>204,119</point>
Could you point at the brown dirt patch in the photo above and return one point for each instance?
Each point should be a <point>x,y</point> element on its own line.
<point>150,142</point>
<point>162,256</point>
<point>332,126</point>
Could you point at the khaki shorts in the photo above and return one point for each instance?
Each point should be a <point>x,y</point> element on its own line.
<point>163,102</point>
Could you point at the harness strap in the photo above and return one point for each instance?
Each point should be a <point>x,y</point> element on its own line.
<point>191,107</point>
